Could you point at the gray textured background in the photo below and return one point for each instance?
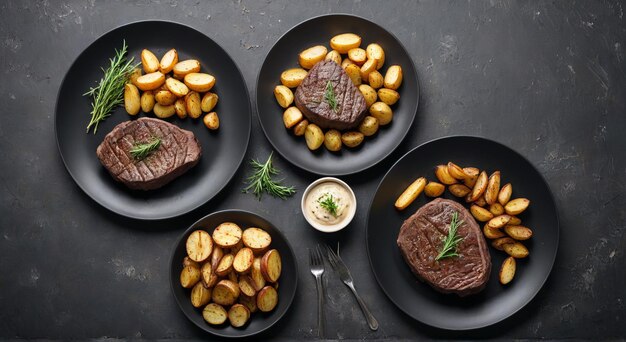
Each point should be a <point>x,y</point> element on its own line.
<point>545,78</point>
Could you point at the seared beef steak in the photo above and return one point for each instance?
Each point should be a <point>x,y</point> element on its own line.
<point>351,108</point>
<point>421,238</point>
<point>178,152</point>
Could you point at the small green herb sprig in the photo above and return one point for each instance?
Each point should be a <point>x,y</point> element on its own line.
<point>141,151</point>
<point>329,96</point>
<point>261,181</point>
<point>452,240</point>
<point>329,204</point>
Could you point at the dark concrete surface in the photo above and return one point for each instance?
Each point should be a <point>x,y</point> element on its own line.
<point>547,78</point>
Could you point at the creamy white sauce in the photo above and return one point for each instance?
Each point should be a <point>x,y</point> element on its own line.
<point>322,192</point>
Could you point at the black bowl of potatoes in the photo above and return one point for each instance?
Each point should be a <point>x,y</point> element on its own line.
<point>233,273</point>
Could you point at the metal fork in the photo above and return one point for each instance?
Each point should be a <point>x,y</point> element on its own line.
<point>317,268</point>
<point>344,274</point>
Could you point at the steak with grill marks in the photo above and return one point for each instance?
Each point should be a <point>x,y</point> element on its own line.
<point>421,238</point>
<point>351,108</point>
<point>178,152</point>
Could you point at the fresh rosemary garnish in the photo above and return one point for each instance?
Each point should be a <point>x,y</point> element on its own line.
<point>329,204</point>
<point>261,181</point>
<point>140,151</point>
<point>329,96</point>
<point>452,240</point>
<point>110,90</point>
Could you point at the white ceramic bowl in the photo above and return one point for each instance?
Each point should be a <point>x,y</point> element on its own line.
<point>335,227</point>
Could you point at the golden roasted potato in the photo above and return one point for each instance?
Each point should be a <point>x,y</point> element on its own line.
<point>309,57</point>
<point>368,93</point>
<point>499,221</point>
<point>481,214</point>
<point>267,299</point>
<point>456,171</point>
<point>256,275</point>
<point>496,209</point>
<point>292,116</point>
<point>366,69</point>
<point>246,285</point>
<point>168,61</point>
<point>132,101</point>
<point>238,315</point>
<point>199,245</point>
<point>357,55</point>
<point>256,239</point>
<point>176,87</point>
<point>150,81</point>
<point>382,112</point>
<point>388,96</point>
<point>314,136</point>
<point>209,275</point>
<point>334,56</point>
<point>500,242</point>
<point>443,175</point>
<point>284,96</point>
<point>346,62</point>
<point>214,314</point>
<point>216,256</point>
<point>271,265</point>
<point>393,77</point>
<point>332,140</point>
<point>434,189</point>
<point>479,187</point>
<point>472,175</point>
<point>300,128</point>
<point>200,295</point>
<point>375,79</point>
<point>199,81</point>
<point>505,194</point>
<point>516,206</point>
<point>515,221</point>
<point>459,190</point>
<point>209,101</point>
<point>410,193</point>
<point>507,271</point>
<point>180,108</point>
<point>211,121</point>
<point>165,97</point>
<point>134,75</point>
<point>291,78</point>
<point>149,61</point>
<point>376,52</point>
<point>163,112</point>
<point>189,276</point>
<point>480,201</point>
<point>520,233</point>
<point>352,139</point>
<point>243,260</point>
<point>369,126</point>
<point>493,188</point>
<point>227,235</point>
<point>516,250</point>
<point>185,67</point>
<point>193,105</point>
<point>354,72</point>
<point>225,292</point>
<point>344,42</point>
<point>492,233</point>
<point>225,265</point>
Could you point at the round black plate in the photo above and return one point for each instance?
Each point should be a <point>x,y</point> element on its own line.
<point>288,281</point>
<point>223,150</point>
<point>496,302</point>
<point>284,55</point>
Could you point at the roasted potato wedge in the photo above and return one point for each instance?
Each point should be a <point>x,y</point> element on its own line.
<point>300,128</point>
<point>493,188</point>
<point>444,177</point>
<point>225,292</point>
<point>480,201</point>
<point>227,235</point>
<point>505,194</point>
<point>480,214</point>
<point>267,299</point>
<point>181,108</point>
<point>515,221</point>
<point>516,250</point>
<point>459,190</point>
<point>354,72</point>
<point>225,265</point>
<point>366,69</point>
<point>185,67</point>
<point>496,209</point>
<point>284,96</point>
<point>332,140</point>
<point>292,116</point>
<point>352,139</point>
<point>132,100</point>
<point>434,189</point>
<point>376,52</point>
<point>243,260</point>
<point>193,104</point>
<point>211,121</point>
<point>520,233</point>
<point>507,271</point>
<point>292,78</point>
<point>369,126</point>
<point>456,171</point>
<point>342,43</point>
<point>150,81</point>
<point>479,187</point>
<point>369,94</point>
<point>199,245</point>
<point>309,57</point>
<point>200,295</point>
<point>472,175</point>
<point>176,87</point>
<point>209,101</point>
<point>246,285</point>
<point>500,242</point>
<point>334,56</point>
<point>149,61</point>
<point>165,97</point>
<point>393,77</point>
<point>209,276</point>
<point>314,136</point>
<point>516,206</point>
<point>168,61</point>
<point>216,256</point>
<point>382,112</point>
<point>492,233</point>
<point>410,193</point>
<point>388,96</point>
<point>375,79</point>
<point>214,314</point>
<point>238,315</point>
<point>256,275</point>
<point>256,239</point>
<point>271,265</point>
<point>499,221</point>
<point>357,55</point>
<point>189,276</point>
<point>199,81</point>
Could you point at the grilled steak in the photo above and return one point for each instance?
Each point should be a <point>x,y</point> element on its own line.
<point>351,108</point>
<point>178,152</point>
<point>421,238</point>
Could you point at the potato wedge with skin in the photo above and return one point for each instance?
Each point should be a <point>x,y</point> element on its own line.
<point>256,239</point>
<point>376,52</point>
<point>189,276</point>
<point>243,260</point>
<point>500,242</point>
<point>496,209</point>
<point>284,96</point>
<point>375,79</point>
<point>456,171</point>
<point>382,112</point>
<point>314,137</point>
<point>493,188</point>
<point>211,121</point>
<point>227,235</point>
<point>472,175</point>
<point>369,126</point>
<point>291,78</point>
<point>333,55</point>
<point>267,299</point>
<point>214,314</point>
<point>199,245</point>
<point>176,87</point>
<point>200,295</point>
<point>256,275</point>
<point>225,265</point>
<point>346,62</point>
<point>369,94</point>
<point>352,139</point>
<point>225,292</point>
<point>181,69</point>
<point>199,81</point>
<point>393,77</point>
<point>388,96</point>
<point>499,221</point>
<point>292,116</point>
<point>459,190</point>
<point>246,285</point>
<point>332,140</point>
<point>238,315</point>
<point>165,97</point>
<point>309,57</point>
<point>147,101</point>
<point>357,55</point>
<point>271,265</point>
<point>516,206</point>
<point>354,72</point>
<point>300,128</point>
<point>492,233</point>
<point>366,69</point>
<point>150,81</point>
<point>193,105</point>
<point>480,214</point>
<point>188,262</point>
<point>434,189</point>
<point>181,108</point>
<point>505,194</point>
<point>516,250</point>
<point>507,271</point>
<point>168,61</point>
<point>216,256</point>
<point>132,100</point>
<point>209,101</point>
<point>342,43</point>
<point>249,302</point>
<point>515,221</point>
<point>134,75</point>
<point>479,187</point>
<point>149,61</point>
<point>410,193</point>
<point>519,233</point>
<point>209,277</point>
<point>444,177</point>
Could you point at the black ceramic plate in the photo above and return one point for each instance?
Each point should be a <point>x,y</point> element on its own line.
<point>496,302</point>
<point>223,150</point>
<point>284,55</point>
<point>288,280</point>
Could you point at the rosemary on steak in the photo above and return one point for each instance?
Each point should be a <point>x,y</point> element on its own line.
<point>110,90</point>
<point>452,240</point>
<point>261,181</point>
<point>329,96</point>
<point>141,151</point>
<point>329,204</point>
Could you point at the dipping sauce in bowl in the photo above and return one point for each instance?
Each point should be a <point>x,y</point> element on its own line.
<point>328,204</point>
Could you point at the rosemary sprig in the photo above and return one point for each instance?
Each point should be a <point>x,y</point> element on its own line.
<point>261,181</point>
<point>110,90</point>
<point>329,204</point>
<point>329,96</point>
<point>140,151</point>
<point>452,240</point>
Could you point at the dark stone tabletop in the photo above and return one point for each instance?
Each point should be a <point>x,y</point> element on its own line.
<point>547,78</point>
